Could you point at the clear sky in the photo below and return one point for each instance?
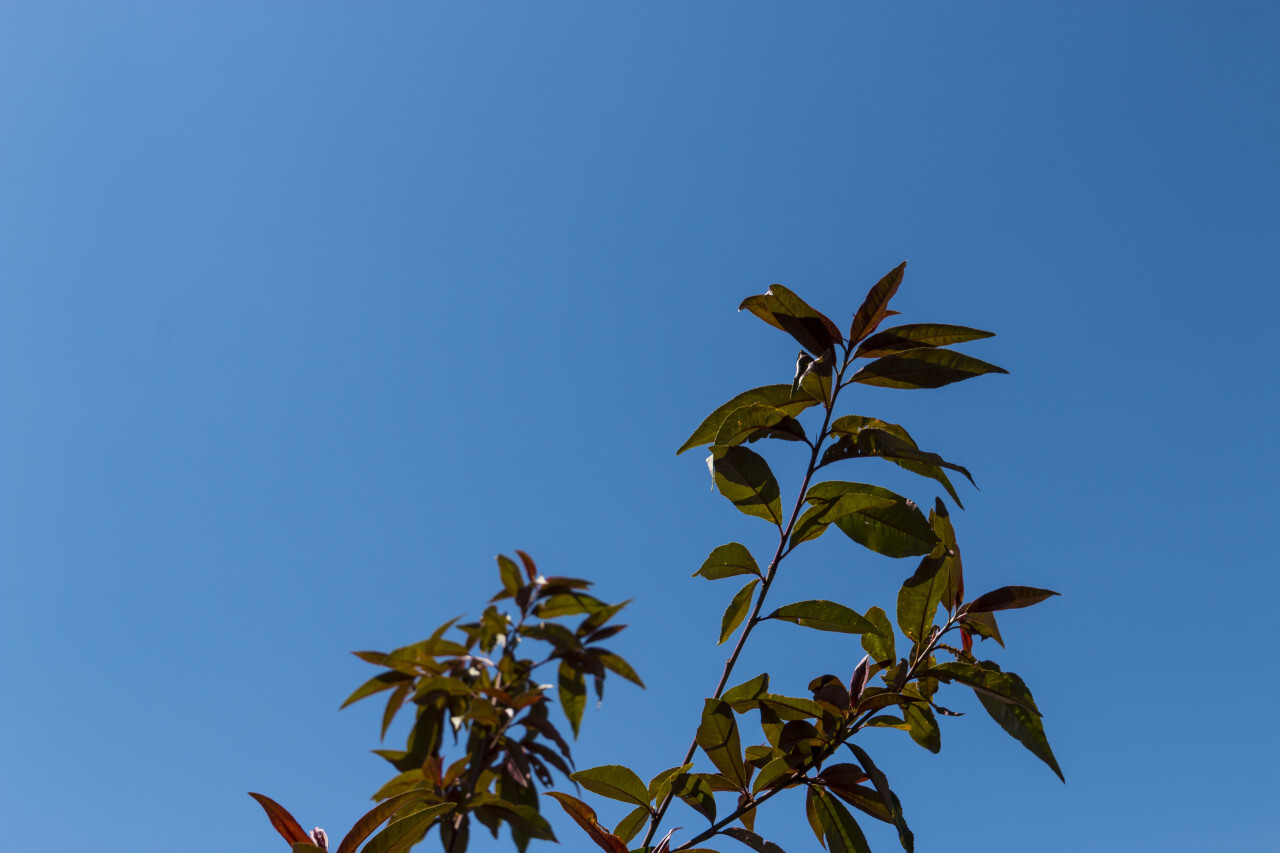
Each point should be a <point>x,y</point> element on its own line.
<point>308,310</point>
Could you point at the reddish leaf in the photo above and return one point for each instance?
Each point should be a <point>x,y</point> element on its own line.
<point>876,306</point>
<point>1009,598</point>
<point>284,822</point>
<point>585,817</point>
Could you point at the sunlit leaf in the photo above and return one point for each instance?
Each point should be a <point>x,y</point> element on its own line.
<point>573,695</point>
<point>791,707</point>
<point>756,421</point>
<point>777,396</point>
<point>924,726</point>
<point>745,479</point>
<point>905,837</point>
<point>784,310</point>
<point>842,831</point>
<point>876,306</point>
<point>284,823</point>
<point>749,838</point>
<point>879,644</point>
<point>380,682</point>
<point>916,335</point>
<point>727,561</point>
<point>824,616</point>
<point>982,624</point>
<point>659,785</point>
<point>919,597</point>
<point>1009,598</point>
<point>694,791</point>
<point>372,819</point>
<point>615,782</point>
<point>629,826</point>
<point>1024,726</point>
<point>743,696</point>
<point>616,664</point>
<point>923,368</point>
<point>892,525</point>
<point>1005,686</point>
<point>402,834</point>
<point>736,611</point>
<point>718,738</point>
<point>585,817</point>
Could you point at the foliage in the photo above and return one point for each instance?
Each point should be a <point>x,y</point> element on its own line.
<point>462,687</point>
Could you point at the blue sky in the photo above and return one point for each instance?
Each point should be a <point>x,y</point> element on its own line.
<point>308,310</point>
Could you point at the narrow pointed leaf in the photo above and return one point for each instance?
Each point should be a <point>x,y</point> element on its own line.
<point>727,561</point>
<point>892,526</point>
<point>573,694</point>
<point>1009,598</point>
<point>749,838</point>
<point>736,611</point>
<point>923,368</point>
<point>982,624</point>
<point>777,396</point>
<point>756,421</point>
<point>842,831</point>
<point>791,707</point>
<point>924,726</point>
<point>1024,726</point>
<point>783,309</point>
<point>615,782</point>
<point>919,597</point>
<point>659,785</point>
<point>916,335</point>
<point>718,738</point>
<point>1005,686</point>
<point>824,616</point>
<point>402,834</point>
<point>374,818</point>
<point>629,826</point>
<point>284,823</point>
<point>616,664</point>
<point>905,837</point>
<point>876,306</point>
<point>585,817</point>
<point>380,682</point>
<point>745,479</point>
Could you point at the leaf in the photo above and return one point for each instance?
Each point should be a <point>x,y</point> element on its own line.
<point>924,726</point>
<point>659,785</point>
<point>727,561</point>
<point>1009,598</point>
<point>842,831</point>
<point>373,818</point>
<point>811,814</point>
<point>742,697</point>
<point>694,790</point>
<point>736,611</point>
<point>824,616</point>
<point>718,738</point>
<point>380,682</point>
<point>510,574</point>
<point>879,644</point>
<point>756,421</point>
<point>876,306</point>
<point>890,799</point>
<point>823,514</point>
<point>953,566</point>
<point>523,819</point>
<point>284,823</point>
<point>394,703</point>
<point>630,825</point>
<point>784,310</point>
<point>817,381</point>
<point>585,817</point>
<point>919,598</point>
<point>872,442</point>
<point>303,847</point>
<point>791,707</point>
<point>615,782</point>
<point>745,479</point>
<point>749,838</point>
<point>982,624</point>
<point>402,834</point>
<point>923,368</point>
<point>573,695</point>
<point>893,526</point>
<point>1004,686</point>
<point>916,335</point>
<point>1024,726</point>
<point>777,396</point>
<point>616,664</point>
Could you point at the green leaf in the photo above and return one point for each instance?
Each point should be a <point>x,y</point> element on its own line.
<point>284,823</point>
<point>616,664</point>
<point>824,513</point>
<point>1024,726</point>
<point>615,782</point>
<point>394,703</point>
<point>373,818</point>
<point>380,682</point>
<point>770,773</point>
<point>523,819</point>
<point>718,738</point>
<point>568,604</point>
<point>402,834</point>
<point>872,442</point>
<point>824,616</point>
<point>923,368</point>
<point>1009,598</point>
<point>1005,686</point>
<point>585,817</point>
<point>842,831</point>
<point>850,427</point>
<point>890,799</point>
<point>879,644</point>
<point>756,421</point>
<point>924,726</point>
<point>742,697</point>
<point>777,396</point>
<point>510,574</point>
<point>892,526</point>
<point>791,707</point>
<point>745,479</point>
<point>749,838</point>
<point>573,695</point>
<point>784,310</point>
<point>982,624</point>
<point>728,561</point>
<point>630,825</point>
<point>736,611</point>
<point>304,847</point>
<point>817,379</point>
<point>916,335</point>
<point>659,785</point>
<point>694,790</point>
<point>875,308</point>
<point>919,598</point>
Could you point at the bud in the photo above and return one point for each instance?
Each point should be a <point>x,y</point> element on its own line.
<point>320,838</point>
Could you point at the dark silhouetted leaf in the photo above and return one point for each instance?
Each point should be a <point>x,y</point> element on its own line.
<point>745,479</point>
<point>893,526</point>
<point>284,823</point>
<point>905,837</point>
<point>824,616</point>
<point>916,335</point>
<point>777,396</point>
<point>616,664</point>
<point>880,644</point>
<point>982,624</point>
<point>615,782</point>
<point>756,421</point>
<point>923,368</point>
<point>876,306</point>
<point>784,310</point>
<point>1009,598</point>
<point>749,838</point>
<point>736,611</point>
<point>585,817</point>
<point>1005,686</point>
<point>791,707</point>
<point>1024,726</point>
<point>573,695</point>
<point>842,831</point>
<point>718,738</point>
<point>728,561</point>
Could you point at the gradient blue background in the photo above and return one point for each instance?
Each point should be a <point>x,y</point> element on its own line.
<point>307,310</point>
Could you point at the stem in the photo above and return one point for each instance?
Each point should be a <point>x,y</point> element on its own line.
<point>770,573</point>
